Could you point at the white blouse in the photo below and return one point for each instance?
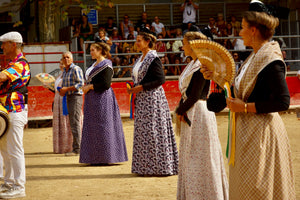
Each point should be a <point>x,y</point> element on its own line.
<point>136,68</point>
<point>242,72</point>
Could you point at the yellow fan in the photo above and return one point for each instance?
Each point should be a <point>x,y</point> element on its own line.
<point>217,59</point>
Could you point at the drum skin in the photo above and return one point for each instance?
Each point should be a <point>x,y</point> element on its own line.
<point>4,121</point>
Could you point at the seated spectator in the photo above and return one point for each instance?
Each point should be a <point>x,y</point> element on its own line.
<point>164,60</point>
<point>124,26</point>
<point>237,60</point>
<point>158,27</point>
<point>179,33</point>
<point>74,28</point>
<point>160,46</point>
<point>176,70</point>
<point>187,60</point>
<point>213,28</point>
<point>125,71</point>
<point>142,22</point>
<point>238,45</point>
<point>109,26</point>
<point>236,25</point>
<point>114,51</point>
<point>132,32</point>
<point>221,24</point>
<point>191,27</point>
<point>116,36</point>
<point>175,46</point>
<point>288,67</point>
<point>85,31</point>
<point>131,45</point>
<point>100,36</point>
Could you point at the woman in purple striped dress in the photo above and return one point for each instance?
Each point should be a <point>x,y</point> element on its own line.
<point>102,135</point>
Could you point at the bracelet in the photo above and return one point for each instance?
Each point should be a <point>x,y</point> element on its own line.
<point>246,106</point>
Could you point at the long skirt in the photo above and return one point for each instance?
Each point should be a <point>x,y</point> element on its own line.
<point>202,173</point>
<point>263,167</point>
<point>154,146</point>
<point>102,135</point>
<point>62,134</point>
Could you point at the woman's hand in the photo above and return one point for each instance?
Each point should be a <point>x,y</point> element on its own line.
<point>180,117</point>
<point>207,74</point>
<point>135,90</point>
<point>235,104</point>
<point>87,88</point>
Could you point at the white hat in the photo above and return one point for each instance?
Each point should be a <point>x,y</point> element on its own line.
<point>12,36</point>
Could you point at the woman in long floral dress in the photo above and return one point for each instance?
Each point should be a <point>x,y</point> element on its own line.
<point>201,167</point>
<point>154,147</point>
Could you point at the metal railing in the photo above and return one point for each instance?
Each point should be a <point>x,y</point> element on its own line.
<point>292,52</point>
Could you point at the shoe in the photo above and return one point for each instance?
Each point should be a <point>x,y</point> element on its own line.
<point>4,187</point>
<point>71,154</point>
<point>13,192</point>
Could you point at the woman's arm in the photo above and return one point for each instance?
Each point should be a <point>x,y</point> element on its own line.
<point>154,76</point>
<point>102,80</point>
<point>277,99</point>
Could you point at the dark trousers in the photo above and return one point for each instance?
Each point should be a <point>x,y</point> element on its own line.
<point>74,103</point>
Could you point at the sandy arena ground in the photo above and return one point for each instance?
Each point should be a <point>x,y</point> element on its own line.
<point>56,177</point>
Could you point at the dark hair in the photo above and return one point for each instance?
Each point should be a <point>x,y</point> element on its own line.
<point>148,38</point>
<point>103,47</point>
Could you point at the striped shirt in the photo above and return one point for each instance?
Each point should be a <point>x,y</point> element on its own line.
<point>73,77</point>
<point>18,73</point>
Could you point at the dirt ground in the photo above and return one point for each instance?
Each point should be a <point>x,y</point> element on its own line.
<point>56,177</point>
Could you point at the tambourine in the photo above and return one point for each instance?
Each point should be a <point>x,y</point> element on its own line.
<point>4,120</point>
<point>47,79</point>
<point>217,59</point>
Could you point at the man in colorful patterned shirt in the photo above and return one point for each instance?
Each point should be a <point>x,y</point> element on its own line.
<point>13,96</point>
<point>71,86</point>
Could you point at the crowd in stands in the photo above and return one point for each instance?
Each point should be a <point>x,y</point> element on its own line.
<point>170,51</point>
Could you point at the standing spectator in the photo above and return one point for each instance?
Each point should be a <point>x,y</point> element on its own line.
<point>72,82</point>
<point>62,134</point>
<point>221,24</point>
<point>154,147</point>
<point>102,133</point>
<point>109,26</point>
<point>261,165</point>
<point>85,31</point>
<point>13,96</point>
<point>158,27</point>
<point>202,173</point>
<point>141,24</point>
<point>124,26</point>
<point>189,8</point>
